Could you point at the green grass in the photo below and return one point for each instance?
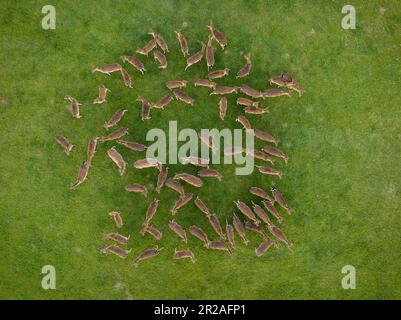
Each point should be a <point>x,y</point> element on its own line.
<point>342,136</point>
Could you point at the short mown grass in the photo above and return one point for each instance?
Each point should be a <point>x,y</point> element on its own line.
<point>342,136</point>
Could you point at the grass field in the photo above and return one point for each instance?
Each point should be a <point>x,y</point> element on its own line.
<point>342,136</point>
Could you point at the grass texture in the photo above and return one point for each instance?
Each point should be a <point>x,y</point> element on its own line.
<point>342,136</point>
